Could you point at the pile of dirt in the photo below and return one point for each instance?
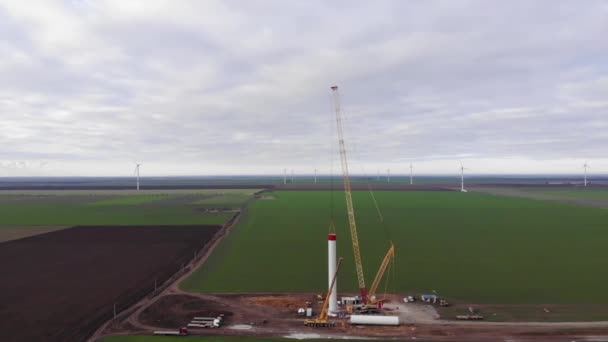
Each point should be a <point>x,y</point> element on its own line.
<point>176,311</point>
<point>287,304</point>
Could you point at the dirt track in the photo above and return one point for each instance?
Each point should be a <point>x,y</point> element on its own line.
<point>61,286</point>
<point>273,315</point>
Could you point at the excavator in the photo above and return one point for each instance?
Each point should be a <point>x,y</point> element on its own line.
<point>370,302</point>
<point>323,319</point>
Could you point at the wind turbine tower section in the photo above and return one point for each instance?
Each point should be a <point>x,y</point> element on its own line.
<point>331,271</point>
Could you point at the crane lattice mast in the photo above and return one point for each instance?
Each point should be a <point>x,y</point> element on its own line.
<point>349,199</point>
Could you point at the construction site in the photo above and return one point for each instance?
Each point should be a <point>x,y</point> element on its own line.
<point>372,312</point>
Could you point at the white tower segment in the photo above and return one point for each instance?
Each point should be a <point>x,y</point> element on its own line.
<point>331,271</point>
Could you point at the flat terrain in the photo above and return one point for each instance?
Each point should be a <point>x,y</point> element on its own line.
<point>61,286</point>
<point>590,197</point>
<point>28,212</point>
<point>19,232</point>
<point>471,247</point>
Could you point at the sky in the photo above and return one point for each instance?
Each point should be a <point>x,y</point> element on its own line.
<point>89,88</point>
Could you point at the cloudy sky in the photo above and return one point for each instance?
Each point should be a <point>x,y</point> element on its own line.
<point>234,87</point>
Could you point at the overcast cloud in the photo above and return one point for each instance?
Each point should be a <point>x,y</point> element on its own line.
<point>233,87</point>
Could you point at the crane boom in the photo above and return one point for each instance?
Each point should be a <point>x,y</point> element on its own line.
<point>385,262</point>
<point>323,319</point>
<point>323,315</point>
<point>349,199</point>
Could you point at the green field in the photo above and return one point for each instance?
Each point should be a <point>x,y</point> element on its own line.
<point>470,247</point>
<point>30,209</point>
<point>597,194</point>
<point>226,199</point>
<point>129,200</point>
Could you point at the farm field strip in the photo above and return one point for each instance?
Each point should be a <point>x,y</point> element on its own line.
<point>68,208</point>
<point>591,197</point>
<point>63,285</point>
<point>133,192</point>
<point>14,233</point>
<point>129,200</point>
<point>473,247</point>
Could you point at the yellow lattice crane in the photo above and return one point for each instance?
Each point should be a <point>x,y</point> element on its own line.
<point>323,319</point>
<point>365,295</point>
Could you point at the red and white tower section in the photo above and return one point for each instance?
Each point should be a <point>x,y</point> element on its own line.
<point>331,271</point>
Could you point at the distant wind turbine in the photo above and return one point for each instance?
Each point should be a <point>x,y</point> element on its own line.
<point>411,173</point>
<point>462,168</point>
<point>136,173</point>
<point>284,176</point>
<point>586,166</point>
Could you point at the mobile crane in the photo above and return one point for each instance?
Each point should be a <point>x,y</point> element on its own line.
<point>366,296</point>
<point>323,319</point>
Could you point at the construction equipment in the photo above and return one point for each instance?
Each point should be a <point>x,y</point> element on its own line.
<point>365,295</point>
<point>323,319</point>
<point>206,322</point>
<point>385,263</point>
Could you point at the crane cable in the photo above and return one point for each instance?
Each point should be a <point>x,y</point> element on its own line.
<point>355,153</point>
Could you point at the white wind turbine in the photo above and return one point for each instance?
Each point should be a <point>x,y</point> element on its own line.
<point>136,173</point>
<point>585,166</point>
<point>411,173</point>
<point>462,168</point>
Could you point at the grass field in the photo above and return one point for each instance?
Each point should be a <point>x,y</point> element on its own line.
<point>597,194</point>
<point>129,200</point>
<point>226,199</point>
<point>472,247</point>
<point>581,195</point>
<point>30,209</point>
<point>589,197</point>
